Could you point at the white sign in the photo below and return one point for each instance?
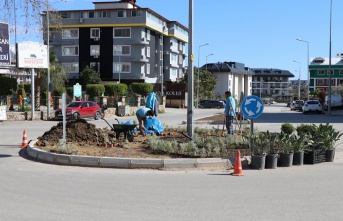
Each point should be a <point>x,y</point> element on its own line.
<point>3,115</point>
<point>32,55</point>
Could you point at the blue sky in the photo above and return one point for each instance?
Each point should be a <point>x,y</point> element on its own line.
<point>259,34</point>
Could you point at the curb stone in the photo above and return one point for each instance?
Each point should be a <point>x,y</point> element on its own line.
<point>130,163</point>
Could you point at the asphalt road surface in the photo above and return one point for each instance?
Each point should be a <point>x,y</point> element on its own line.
<point>36,191</point>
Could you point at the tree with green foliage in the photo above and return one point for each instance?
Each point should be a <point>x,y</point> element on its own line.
<point>207,83</point>
<point>58,78</point>
<point>95,90</point>
<point>141,88</point>
<point>7,85</point>
<point>21,91</point>
<point>89,76</point>
<point>337,90</point>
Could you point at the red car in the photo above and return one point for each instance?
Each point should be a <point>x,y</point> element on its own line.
<point>80,109</point>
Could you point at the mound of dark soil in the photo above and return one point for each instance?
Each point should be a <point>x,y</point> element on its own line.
<point>77,131</point>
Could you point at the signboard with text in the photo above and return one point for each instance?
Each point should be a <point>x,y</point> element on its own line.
<point>32,55</point>
<point>5,56</point>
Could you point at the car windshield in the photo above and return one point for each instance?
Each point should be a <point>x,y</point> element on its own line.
<point>74,104</point>
<point>299,102</point>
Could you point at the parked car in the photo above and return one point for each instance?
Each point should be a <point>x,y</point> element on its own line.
<point>336,101</point>
<point>211,104</point>
<point>80,109</point>
<point>312,106</point>
<point>297,105</point>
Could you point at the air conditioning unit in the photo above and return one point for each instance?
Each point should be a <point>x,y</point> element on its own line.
<point>165,67</point>
<point>95,56</point>
<point>143,56</point>
<point>80,20</point>
<point>166,52</point>
<point>143,39</point>
<point>96,39</point>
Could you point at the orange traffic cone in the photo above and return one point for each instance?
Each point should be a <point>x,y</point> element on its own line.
<point>25,142</point>
<point>237,171</point>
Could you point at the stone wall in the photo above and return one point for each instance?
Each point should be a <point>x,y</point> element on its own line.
<point>42,115</point>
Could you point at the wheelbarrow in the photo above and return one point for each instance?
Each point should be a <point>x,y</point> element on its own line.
<point>119,128</point>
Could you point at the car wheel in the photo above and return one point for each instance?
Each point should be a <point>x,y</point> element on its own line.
<point>76,116</point>
<point>97,115</point>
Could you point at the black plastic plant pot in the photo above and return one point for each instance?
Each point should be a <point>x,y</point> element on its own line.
<point>298,158</point>
<point>287,159</point>
<point>258,162</point>
<point>330,155</point>
<point>271,161</point>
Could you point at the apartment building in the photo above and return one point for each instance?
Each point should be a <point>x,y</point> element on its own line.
<point>231,76</point>
<point>272,83</point>
<point>319,72</point>
<point>121,40</point>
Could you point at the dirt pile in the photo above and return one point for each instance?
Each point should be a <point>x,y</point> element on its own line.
<point>77,131</point>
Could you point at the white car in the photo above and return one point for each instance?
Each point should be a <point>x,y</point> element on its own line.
<point>312,106</point>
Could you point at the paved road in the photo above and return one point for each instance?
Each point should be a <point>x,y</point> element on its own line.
<point>36,191</point>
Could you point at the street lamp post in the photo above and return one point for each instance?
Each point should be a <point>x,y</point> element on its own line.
<point>199,72</point>
<point>164,29</point>
<point>298,79</point>
<point>48,52</point>
<point>308,70</point>
<point>206,59</point>
<point>329,98</point>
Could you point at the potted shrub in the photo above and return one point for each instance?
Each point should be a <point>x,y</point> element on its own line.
<point>272,152</point>
<point>330,137</point>
<point>315,150</point>
<point>286,144</point>
<point>287,128</point>
<point>299,143</point>
<point>258,156</point>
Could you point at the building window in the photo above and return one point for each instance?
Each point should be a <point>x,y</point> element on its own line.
<point>173,72</point>
<point>161,40</point>
<point>180,46</point>
<point>71,67</point>
<point>340,72</point>
<point>148,68</point>
<point>173,57</point>
<point>105,14</point>
<point>320,82</point>
<point>180,59</point>
<point>148,52</point>
<point>148,35</point>
<point>70,33</point>
<point>122,32</point>
<point>91,15</point>
<point>320,72</point>
<point>95,50</point>
<point>70,50</point>
<point>161,55</point>
<point>122,67</point>
<point>329,72</point>
<point>121,14</point>
<point>121,49</point>
<point>95,32</point>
